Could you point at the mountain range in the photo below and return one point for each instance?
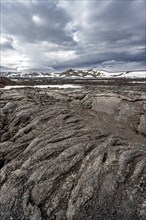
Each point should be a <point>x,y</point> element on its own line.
<point>78,73</point>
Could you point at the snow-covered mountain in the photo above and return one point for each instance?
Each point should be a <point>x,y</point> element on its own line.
<point>78,74</point>
<point>96,73</point>
<point>28,75</point>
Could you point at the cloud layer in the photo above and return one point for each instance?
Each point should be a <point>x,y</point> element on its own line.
<point>60,34</point>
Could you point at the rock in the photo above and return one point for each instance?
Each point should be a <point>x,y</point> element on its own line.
<point>106,104</point>
<point>142,124</point>
<point>5,82</point>
<point>72,156</point>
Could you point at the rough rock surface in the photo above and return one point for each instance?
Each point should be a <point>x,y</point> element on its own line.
<point>5,81</point>
<point>73,154</point>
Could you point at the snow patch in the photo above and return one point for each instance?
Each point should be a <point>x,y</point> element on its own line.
<point>43,86</point>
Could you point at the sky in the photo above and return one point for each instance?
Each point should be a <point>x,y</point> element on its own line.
<point>55,35</point>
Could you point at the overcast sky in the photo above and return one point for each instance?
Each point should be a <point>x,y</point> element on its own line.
<point>53,35</point>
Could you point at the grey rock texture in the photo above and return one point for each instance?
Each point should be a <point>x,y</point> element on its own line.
<point>5,81</point>
<point>142,124</point>
<point>73,154</point>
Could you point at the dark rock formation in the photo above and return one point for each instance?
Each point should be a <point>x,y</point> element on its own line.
<point>72,154</point>
<point>5,82</point>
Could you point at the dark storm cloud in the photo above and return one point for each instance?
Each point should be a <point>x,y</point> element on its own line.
<point>6,43</point>
<point>40,21</point>
<point>6,46</point>
<point>64,34</point>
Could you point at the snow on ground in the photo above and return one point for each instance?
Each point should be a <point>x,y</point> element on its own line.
<point>129,74</point>
<point>138,82</point>
<point>135,74</point>
<point>44,86</point>
<point>88,76</point>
